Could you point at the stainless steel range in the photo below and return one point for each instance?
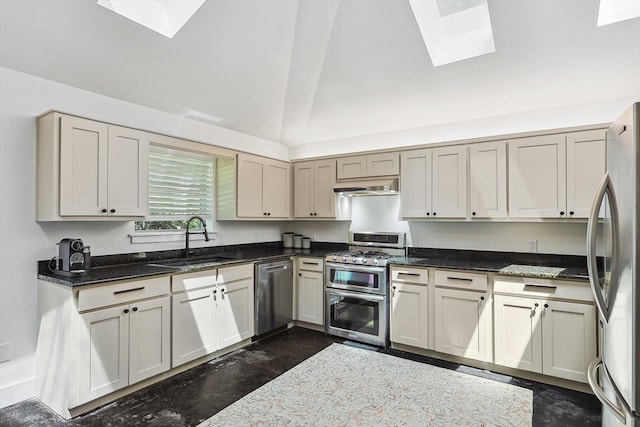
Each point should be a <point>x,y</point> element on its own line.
<point>356,288</point>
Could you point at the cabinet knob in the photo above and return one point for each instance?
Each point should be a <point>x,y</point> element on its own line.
<point>535,305</point>
<point>135,308</point>
<point>315,213</point>
<point>473,213</point>
<point>561,213</point>
<point>546,306</point>
<point>214,291</point>
<point>103,211</point>
<point>434,214</point>
<point>112,211</point>
<point>428,214</point>
<point>481,298</point>
<point>126,310</point>
<point>310,213</point>
<point>268,213</point>
<point>571,213</point>
<point>264,213</point>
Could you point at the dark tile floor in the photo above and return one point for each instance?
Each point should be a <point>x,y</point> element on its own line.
<point>188,398</point>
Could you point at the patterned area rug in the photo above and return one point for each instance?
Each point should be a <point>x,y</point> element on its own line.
<point>347,386</point>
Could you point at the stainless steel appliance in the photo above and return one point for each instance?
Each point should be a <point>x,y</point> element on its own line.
<point>356,288</point>
<point>273,295</point>
<point>615,375</point>
<point>73,259</point>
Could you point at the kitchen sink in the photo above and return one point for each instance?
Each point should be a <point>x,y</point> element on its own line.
<point>185,262</point>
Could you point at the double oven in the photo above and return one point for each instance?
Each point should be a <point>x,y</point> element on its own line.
<point>357,290</point>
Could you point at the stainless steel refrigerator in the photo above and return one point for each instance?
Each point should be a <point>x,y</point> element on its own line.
<point>613,229</point>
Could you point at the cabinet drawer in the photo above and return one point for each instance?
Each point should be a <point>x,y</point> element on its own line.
<point>122,292</point>
<point>543,288</point>
<point>461,280</point>
<point>310,264</point>
<point>194,280</point>
<point>234,273</point>
<point>410,275</point>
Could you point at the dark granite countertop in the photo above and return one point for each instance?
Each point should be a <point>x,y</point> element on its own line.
<point>109,268</point>
<point>543,266</point>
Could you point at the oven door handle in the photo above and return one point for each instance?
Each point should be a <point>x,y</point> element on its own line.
<point>354,267</point>
<point>366,297</point>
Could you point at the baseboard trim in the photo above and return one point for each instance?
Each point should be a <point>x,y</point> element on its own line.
<point>18,392</point>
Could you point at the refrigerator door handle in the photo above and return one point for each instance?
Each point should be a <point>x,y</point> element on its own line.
<point>594,279</point>
<point>592,377</point>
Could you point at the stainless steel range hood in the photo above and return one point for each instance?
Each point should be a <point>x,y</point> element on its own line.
<point>374,187</point>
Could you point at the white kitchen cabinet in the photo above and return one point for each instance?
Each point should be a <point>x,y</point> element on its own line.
<point>550,329</point>
<point>212,309</point>
<point>90,170</point>
<point>409,310</point>
<point>434,183</point>
<point>463,315</point>
<point>367,166</point>
<point>488,180</point>
<point>263,188</point>
<point>313,195</point>
<point>586,165</point>
<point>555,176</point>
<point>311,297</point>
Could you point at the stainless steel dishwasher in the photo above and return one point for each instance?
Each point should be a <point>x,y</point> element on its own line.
<point>274,295</point>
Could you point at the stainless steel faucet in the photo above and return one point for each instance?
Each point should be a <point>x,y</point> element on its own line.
<point>187,233</point>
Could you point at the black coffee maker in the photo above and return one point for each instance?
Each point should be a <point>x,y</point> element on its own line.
<point>74,258</point>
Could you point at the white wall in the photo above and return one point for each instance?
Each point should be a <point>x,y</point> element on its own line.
<point>22,97</point>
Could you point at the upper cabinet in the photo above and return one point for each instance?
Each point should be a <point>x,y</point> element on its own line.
<point>88,170</point>
<point>263,187</point>
<point>555,176</point>
<point>370,165</point>
<point>488,180</point>
<point>313,195</point>
<point>434,183</point>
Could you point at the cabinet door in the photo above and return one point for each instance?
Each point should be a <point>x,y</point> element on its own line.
<point>537,177</point>
<point>83,167</point>
<point>250,186</point>
<point>449,194</point>
<point>149,338</point>
<point>352,167</point>
<point>409,324</point>
<point>194,329</point>
<point>383,164</point>
<point>128,172</point>
<point>103,352</point>
<point>518,333</point>
<point>586,164</point>
<point>311,297</point>
<point>415,182</point>
<point>488,180</point>
<point>234,306</point>
<point>277,189</point>
<point>325,198</point>
<point>569,339</point>
<point>303,189</point>
<point>463,324</point>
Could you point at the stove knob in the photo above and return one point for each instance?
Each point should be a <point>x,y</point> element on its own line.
<point>375,260</point>
<point>345,258</point>
<point>335,257</point>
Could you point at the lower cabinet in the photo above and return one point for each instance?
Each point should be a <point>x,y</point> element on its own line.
<point>122,345</point>
<point>550,337</point>
<point>409,322</point>
<point>217,313</point>
<point>311,290</point>
<point>463,325</point>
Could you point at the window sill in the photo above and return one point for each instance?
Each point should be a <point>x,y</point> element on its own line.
<point>166,236</point>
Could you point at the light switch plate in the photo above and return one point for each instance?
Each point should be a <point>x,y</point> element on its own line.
<point>533,246</point>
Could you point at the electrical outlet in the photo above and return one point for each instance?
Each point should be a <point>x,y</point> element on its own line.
<point>533,246</point>
<point>5,352</point>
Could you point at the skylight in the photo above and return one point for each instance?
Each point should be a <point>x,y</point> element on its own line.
<point>612,11</point>
<point>166,17</point>
<point>454,30</point>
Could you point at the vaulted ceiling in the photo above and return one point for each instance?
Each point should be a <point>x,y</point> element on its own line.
<point>307,71</point>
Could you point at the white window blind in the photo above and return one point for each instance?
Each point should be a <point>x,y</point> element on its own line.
<point>180,184</point>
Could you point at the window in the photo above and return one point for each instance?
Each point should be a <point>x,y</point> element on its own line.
<point>180,186</point>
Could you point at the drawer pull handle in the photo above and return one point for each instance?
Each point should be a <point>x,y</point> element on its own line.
<point>463,279</point>
<point>128,290</point>
<point>408,274</point>
<point>546,287</point>
<point>309,263</point>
